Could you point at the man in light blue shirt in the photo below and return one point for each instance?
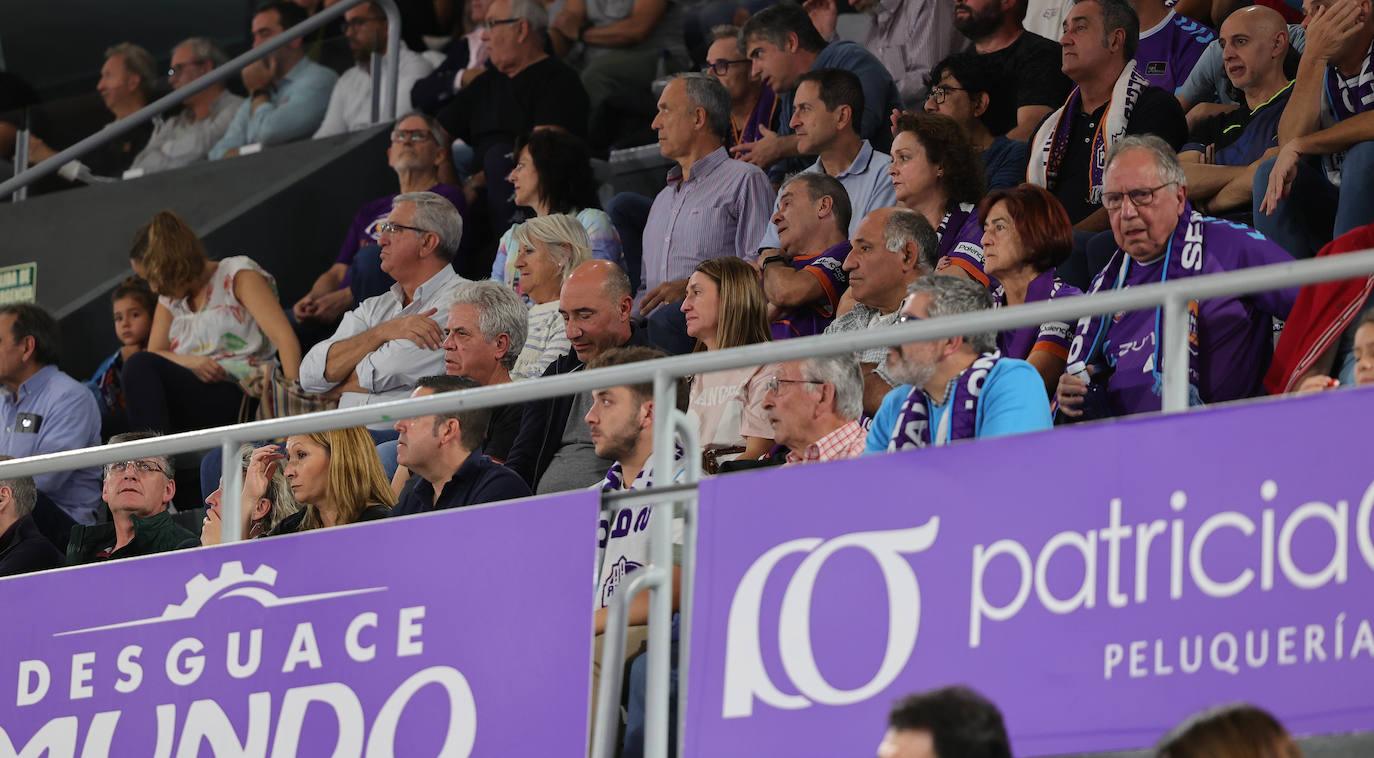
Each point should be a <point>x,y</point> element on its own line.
<point>288,93</point>
<point>826,121</point>
<point>957,387</point>
<point>42,410</point>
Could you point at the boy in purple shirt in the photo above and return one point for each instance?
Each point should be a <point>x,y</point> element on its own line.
<point>1161,238</point>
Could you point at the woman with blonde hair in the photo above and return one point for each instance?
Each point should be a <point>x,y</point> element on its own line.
<point>546,250</point>
<point>335,475</point>
<point>725,307</point>
<point>214,323</point>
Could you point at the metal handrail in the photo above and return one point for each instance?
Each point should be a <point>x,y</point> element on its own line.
<point>176,97</point>
<point>1173,297</point>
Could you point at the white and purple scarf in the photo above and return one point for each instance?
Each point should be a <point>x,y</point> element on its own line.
<point>1342,99</point>
<point>959,421</point>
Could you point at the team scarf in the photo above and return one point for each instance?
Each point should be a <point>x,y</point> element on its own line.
<point>960,417</point>
<point>1182,257</point>
<point>1051,142</point>
<point>1345,98</point>
<point>615,478</point>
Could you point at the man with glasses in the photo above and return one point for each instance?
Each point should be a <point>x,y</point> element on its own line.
<point>138,492</point>
<point>418,148</point>
<point>350,105</point>
<point>967,89</point>
<point>387,343</point>
<point>814,406</point>
<point>954,388</point>
<point>1160,238</point>
<point>753,104</point>
<point>527,89</point>
<point>204,117</point>
<point>287,93</point>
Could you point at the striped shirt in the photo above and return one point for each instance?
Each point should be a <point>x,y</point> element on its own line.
<point>845,442</point>
<point>721,210</point>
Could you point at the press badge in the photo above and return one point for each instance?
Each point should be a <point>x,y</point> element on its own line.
<point>27,423</point>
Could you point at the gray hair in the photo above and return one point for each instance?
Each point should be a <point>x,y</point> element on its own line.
<point>842,373</point>
<point>204,49</point>
<point>138,62</point>
<point>435,128</point>
<point>435,213</point>
<point>706,92</point>
<point>1119,14</point>
<point>533,14</point>
<point>561,234</point>
<point>820,184</point>
<point>24,490</point>
<point>165,460</point>
<point>905,226</point>
<point>730,32</point>
<point>499,311</point>
<point>955,295</point>
<point>1166,160</point>
<point>278,492</point>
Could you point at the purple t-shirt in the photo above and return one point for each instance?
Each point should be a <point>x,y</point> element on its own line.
<point>814,317</point>
<point>1234,334</point>
<point>364,228</point>
<point>1168,52</point>
<point>963,246</point>
<point>1053,336</point>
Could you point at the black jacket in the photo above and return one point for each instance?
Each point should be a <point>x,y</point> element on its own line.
<point>159,533</point>
<point>23,549</point>
<point>541,429</point>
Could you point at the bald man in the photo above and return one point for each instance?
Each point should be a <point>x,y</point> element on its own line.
<point>554,450</point>
<point>1224,150</point>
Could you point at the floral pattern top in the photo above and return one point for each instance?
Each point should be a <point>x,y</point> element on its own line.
<point>223,329</point>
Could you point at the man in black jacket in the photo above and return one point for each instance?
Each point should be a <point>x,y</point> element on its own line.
<point>554,450</point>
<point>22,547</point>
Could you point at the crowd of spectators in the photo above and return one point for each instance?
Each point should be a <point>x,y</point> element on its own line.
<point>816,186</point>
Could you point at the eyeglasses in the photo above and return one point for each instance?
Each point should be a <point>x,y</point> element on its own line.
<point>140,467</point>
<point>907,318</point>
<point>722,66</point>
<point>1140,198</point>
<point>411,135</point>
<point>386,227</point>
<point>774,384</point>
<point>489,25</point>
<point>939,92</point>
<point>178,69</point>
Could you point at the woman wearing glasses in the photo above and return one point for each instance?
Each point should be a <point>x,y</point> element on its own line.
<point>553,174</point>
<point>1026,234</point>
<point>546,249</point>
<point>336,476</point>
<point>936,172</point>
<point>725,307</point>
<point>215,322</point>
<point>266,497</point>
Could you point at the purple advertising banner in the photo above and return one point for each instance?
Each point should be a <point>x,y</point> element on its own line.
<point>1098,583</point>
<point>433,635</point>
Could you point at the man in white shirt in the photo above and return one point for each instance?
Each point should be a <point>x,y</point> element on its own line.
<point>385,345</point>
<point>350,106</point>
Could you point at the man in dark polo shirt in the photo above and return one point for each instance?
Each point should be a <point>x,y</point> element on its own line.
<point>1224,150</point>
<point>445,449</point>
<point>1111,99</point>
<point>1026,63</point>
<point>528,89</point>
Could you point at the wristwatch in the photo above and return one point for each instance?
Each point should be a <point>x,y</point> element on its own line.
<point>772,259</point>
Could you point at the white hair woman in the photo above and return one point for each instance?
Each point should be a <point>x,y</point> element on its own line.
<point>547,249</point>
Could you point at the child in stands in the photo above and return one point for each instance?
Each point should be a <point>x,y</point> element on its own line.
<point>134,303</point>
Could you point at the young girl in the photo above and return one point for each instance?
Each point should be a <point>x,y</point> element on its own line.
<point>134,304</point>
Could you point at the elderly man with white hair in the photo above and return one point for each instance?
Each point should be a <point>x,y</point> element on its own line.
<point>814,406</point>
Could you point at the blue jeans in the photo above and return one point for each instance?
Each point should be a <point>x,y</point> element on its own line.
<point>1316,211</point>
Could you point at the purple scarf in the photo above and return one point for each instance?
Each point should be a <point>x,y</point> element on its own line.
<point>1348,97</point>
<point>959,421</point>
<point>1182,257</point>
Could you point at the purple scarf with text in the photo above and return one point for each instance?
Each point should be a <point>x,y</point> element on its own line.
<point>960,417</point>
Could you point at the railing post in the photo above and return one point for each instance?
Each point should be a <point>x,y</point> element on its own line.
<point>375,70</point>
<point>690,505</point>
<point>1175,354</point>
<point>21,159</point>
<point>661,597</point>
<point>606,726</point>
<point>392,61</point>
<point>231,488</point>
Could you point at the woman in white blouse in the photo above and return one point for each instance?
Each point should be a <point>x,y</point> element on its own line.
<point>547,249</point>
<point>215,322</point>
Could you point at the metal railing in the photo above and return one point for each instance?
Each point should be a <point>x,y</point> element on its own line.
<point>25,176</point>
<point>1172,296</point>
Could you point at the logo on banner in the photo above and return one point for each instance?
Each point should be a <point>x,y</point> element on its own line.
<point>192,651</point>
<point>745,676</point>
